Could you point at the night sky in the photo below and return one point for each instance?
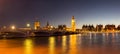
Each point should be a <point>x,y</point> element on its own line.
<point>20,12</point>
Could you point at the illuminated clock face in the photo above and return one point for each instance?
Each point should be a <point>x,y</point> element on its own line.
<point>73,20</point>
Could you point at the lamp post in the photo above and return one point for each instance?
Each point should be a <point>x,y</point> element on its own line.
<point>13,27</point>
<point>28,31</point>
<point>28,25</point>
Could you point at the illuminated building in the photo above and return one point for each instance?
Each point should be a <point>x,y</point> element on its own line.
<point>36,25</point>
<point>48,27</point>
<point>73,24</point>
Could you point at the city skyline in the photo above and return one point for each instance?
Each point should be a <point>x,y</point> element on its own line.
<point>59,26</point>
<point>20,12</point>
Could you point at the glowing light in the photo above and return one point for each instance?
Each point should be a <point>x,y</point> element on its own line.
<point>4,27</point>
<point>13,27</point>
<point>64,40</point>
<point>28,25</point>
<point>36,25</point>
<point>51,26</point>
<point>28,46</point>
<point>51,45</point>
<point>73,42</point>
<point>64,43</point>
<point>73,24</point>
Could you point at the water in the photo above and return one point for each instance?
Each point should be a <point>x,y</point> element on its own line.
<point>90,43</point>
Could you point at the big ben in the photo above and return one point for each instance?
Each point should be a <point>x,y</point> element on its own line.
<point>73,24</point>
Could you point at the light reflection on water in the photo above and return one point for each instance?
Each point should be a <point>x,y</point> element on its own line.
<point>51,45</point>
<point>89,43</point>
<point>73,46</point>
<point>28,44</point>
<point>64,44</point>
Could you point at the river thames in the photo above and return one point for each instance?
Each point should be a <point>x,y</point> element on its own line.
<point>88,43</point>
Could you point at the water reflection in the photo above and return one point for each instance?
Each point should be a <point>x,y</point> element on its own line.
<point>64,44</point>
<point>28,44</point>
<point>51,45</point>
<point>72,46</point>
<point>3,43</point>
<point>89,43</point>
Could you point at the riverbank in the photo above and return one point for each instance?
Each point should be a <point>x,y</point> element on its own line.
<point>16,34</point>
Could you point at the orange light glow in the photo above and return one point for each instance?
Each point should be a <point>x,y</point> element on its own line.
<point>51,45</point>
<point>28,46</point>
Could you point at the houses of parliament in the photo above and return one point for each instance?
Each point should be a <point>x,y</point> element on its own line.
<point>98,28</point>
<point>60,27</point>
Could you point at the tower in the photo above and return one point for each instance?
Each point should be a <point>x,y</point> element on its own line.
<point>36,25</point>
<point>73,24</point>
<point>47,24</point>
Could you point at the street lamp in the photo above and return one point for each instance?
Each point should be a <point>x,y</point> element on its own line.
<point>28,25</point>
<point>13,27</point>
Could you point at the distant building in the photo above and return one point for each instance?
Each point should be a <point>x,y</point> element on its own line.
<point>99,28</point>
<point>118,28</point>
<point>36,25</point>
<point>88,28</point>
<point>48,27</point>
<point>68,29</point>
<point>62,27</point>
<point>84,28</point>
<point>91,28</point>
<point>47,24</point>
<point>73,24</point>
<point>110,27</point>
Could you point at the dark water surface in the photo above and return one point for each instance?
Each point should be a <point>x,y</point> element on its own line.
<point>91,43</point>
